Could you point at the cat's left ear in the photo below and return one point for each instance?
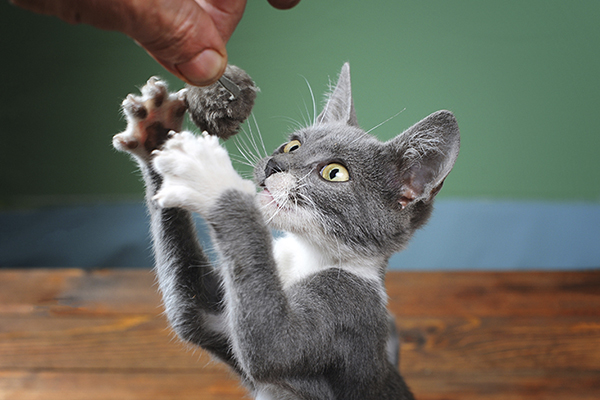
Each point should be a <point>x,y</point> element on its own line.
<point>340,107</point>
<point>423,157</point>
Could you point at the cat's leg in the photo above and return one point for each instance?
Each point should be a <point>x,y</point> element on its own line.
<point>192,291</point>
<point>198,175</point>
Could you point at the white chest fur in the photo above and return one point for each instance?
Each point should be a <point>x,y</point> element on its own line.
<point>297,259</point>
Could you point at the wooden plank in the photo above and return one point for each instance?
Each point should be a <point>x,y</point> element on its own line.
<point>540,345</point>
<point>90,385</point>
<point>411,293</point>
<point>125,342</point>
<point>133,341</point>
<point>72,334</point>
<point>135,385</point>
<point>496,294</point>
<point>74,291</point>
<point>504,386</point>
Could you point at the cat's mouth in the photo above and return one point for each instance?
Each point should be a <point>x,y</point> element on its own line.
<point>276,191</point>
<point>268,199</point>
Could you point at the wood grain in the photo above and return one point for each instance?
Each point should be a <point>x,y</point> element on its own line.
<point>72,334</point>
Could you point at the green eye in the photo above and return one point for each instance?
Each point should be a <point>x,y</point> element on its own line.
<point>335,172</point>
<point>291,146</point>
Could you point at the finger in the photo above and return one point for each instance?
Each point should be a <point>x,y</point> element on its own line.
<point>183,38</point>
<point>283,4</point>
<point>226,14</point>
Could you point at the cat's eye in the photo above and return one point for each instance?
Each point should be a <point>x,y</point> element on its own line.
<point>291,146</point>
<point>335,172</point>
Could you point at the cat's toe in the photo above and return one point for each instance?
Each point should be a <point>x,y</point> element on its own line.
<point>133,107</point>
<point>175,195</point>
<point>156,90</point>
<point>181,141</point>
<point>125,142</point>
<point>165,162</point>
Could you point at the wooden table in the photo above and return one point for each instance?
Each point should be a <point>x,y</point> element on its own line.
<point>76,335</point>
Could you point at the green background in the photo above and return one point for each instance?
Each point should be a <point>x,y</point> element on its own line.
<point>523,79</point>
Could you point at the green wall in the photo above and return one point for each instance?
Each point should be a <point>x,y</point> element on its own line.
<point>523,79</point>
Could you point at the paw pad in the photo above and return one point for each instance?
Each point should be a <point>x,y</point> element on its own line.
<point>150,118</point>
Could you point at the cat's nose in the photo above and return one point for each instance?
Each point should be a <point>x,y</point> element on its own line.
<point>272,167</point>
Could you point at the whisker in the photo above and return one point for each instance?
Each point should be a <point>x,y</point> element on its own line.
<point>246,150</point>
<point>243,158</point>
<point>387,120</point>
<point>279,208</point>
<point>312,96</point>
<point>277,211</point>
<point>240,160</point>
<point>248,175</point>
<point>302,178</point>
<point>262,142</point>
<point>306,117</point>
<point>295,123</point>
<point>252,140</point>
<point>306,199</point>
<point>330,92</point>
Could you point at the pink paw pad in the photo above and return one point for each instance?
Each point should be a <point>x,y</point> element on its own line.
<point>150,118</point>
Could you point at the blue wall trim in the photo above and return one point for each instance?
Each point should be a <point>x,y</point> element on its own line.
<point>502,235</point>
<point>462,234</point>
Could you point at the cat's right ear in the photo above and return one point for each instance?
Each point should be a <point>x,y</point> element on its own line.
<point>340,107</point>
<point>423,156</point>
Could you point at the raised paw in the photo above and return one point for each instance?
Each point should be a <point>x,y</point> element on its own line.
<point>196,170</point>
<point>150,118</point>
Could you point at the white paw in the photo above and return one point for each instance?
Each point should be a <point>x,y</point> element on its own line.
<point>196,170</point>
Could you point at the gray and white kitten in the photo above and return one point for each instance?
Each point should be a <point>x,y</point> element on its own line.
<point>302,316</point>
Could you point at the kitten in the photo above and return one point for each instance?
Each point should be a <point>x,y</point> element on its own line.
<point>303,316</point>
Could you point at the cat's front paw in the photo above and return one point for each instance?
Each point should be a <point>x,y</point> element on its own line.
<point>150,117</point>
<point>196,170</point>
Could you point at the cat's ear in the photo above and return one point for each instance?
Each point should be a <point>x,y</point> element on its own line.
<point>339,107</point>
<point>423,156</point>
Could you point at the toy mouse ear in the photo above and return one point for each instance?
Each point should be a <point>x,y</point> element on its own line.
<point>339,107</point>
<point>424,156</point>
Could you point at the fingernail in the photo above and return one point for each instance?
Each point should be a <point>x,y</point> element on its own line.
<point>204,69</point>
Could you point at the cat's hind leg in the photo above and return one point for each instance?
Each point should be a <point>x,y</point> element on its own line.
<point>191,289</point>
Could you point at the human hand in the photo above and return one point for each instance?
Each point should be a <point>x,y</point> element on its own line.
<point>187,37</point>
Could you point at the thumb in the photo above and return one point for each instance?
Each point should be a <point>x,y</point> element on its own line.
<point>183,38</point>
<point>179,34</point>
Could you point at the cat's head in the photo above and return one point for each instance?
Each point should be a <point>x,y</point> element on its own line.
<point>344,190</point>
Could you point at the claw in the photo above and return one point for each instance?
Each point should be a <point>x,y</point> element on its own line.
<point>155,89</point>
<point>130,99</point>
<point>181,94</point>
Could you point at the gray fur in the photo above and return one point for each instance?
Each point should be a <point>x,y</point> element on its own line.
<point>327,334</point>
<point>215,110</point>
